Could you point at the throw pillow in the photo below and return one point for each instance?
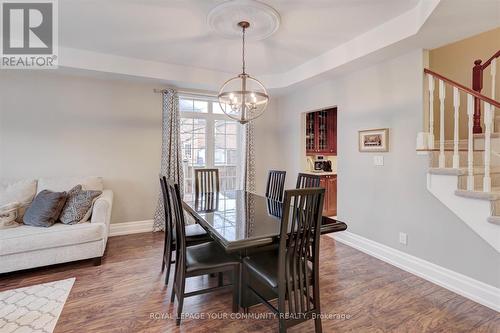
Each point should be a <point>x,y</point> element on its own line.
<point>22,191</point>
<point>45,209</point>
<point>8,215</point>
<point>78,205</point>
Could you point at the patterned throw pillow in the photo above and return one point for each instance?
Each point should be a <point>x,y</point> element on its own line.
<point>78,205</point>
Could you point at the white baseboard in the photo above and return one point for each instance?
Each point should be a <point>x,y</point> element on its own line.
<point>127,228</point>
<point>475,290</point>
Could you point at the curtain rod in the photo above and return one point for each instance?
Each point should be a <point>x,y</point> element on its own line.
<point>186,92</point>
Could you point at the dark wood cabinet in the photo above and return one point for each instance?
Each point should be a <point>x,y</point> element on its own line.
<point>329,183</point>
<point>321,132</point>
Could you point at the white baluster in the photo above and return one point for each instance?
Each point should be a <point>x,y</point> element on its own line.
<point>493,73</point>
<point>431,111</point>
<point>442,158</point>
<point>456,105</point>
<point>470,136</point>
<point>488,120</point>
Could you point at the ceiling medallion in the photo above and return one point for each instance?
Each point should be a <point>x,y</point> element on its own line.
<point>224,19</point>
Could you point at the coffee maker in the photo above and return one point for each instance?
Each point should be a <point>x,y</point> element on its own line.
<point>321,164</point>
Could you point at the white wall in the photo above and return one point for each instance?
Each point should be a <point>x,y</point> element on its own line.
<point>379,202</point>
<point>266,145</point>
<point>60,125</point>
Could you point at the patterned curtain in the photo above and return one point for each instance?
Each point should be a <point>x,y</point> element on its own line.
<point>171,158</point>
<point>248,174</point>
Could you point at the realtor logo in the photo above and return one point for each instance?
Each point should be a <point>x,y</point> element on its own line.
<point>29,34</point>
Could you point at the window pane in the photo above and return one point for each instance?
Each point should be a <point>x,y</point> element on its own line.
<point>220,141</point>
<point>231,127</point>
<point>186,105</point>
<point>193,149</point>
<point>226,153</point>
<point>232,157</point>
<point>220,127</point>
<point>216,108</point>
<point>200,106</point>
<point>199,141</point>
<point>231,141</point>
<point>199,126</point>
<point>199,157</point>
<point>220,156</point>
<point>193,105</point>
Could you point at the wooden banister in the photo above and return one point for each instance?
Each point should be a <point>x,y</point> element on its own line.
<point>488,62</point>
<point>463,88</point>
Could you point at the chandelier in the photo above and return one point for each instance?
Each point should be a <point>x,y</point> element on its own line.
<point>243,98</point>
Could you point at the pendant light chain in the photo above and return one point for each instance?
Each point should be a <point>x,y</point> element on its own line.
<point>243,48</point>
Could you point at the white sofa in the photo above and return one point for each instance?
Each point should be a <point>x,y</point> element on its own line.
<point>26,247</point>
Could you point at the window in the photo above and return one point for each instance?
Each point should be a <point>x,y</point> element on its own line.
<point>209,140</point>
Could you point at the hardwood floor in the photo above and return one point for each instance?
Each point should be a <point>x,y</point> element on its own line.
<point>126,294</point>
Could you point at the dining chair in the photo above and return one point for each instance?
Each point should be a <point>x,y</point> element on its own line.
<point>275,185</point>
<point>195,234</point>
<point>196,260</point>
<point>305,180</point>
<point>291,272</point>
<point>207,203</point>
<point>206,181</point>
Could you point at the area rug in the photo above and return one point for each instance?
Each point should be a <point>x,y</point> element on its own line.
<point>33,309</point>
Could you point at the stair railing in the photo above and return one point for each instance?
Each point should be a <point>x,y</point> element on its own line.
<point>477,85</point>
<point>489,105</point>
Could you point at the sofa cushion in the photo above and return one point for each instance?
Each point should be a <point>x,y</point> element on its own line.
<point>22,191</point>
<point>78,205</point>
<point>67,183</point>
<point>45,209</point>
<point>27,238</point>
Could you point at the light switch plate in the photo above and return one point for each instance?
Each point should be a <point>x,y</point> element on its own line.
<point>378,160</point>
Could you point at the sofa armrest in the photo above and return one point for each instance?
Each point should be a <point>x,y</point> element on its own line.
<point>101,213</point>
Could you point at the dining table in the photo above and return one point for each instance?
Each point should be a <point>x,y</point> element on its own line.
<point>243,222</point>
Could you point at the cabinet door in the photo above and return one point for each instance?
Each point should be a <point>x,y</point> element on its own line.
<point>322,131</point>
<point>332,195</point>
<point>332,132</point>
<point>327,132</point>
<point>310,133</point>
<point>324,184</point>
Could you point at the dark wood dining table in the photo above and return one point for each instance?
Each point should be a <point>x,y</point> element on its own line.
<point>243,222</point>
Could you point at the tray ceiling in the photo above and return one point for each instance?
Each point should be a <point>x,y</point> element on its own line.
<point>176,32</point>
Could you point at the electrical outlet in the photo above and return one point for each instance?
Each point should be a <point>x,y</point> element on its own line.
<point>403,238</point>
<point>378,160</point>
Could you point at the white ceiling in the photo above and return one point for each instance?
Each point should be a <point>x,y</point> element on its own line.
<point>176,32</point>
<point>166,41</point>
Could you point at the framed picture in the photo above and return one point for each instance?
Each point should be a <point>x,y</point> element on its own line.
<point>376,140</point>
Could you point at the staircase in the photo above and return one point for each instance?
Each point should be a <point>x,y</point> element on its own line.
<point>464,173</point>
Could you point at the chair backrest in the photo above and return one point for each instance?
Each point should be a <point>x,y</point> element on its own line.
<point>208,202</point>
<point>298,249</point>
<point>275,185</point>
<point>177,213</point>
<point>166,208</point>
<point>206,181</point>
<point>305,180</point>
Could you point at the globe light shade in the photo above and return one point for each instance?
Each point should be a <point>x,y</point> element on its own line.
<point>243,98</point>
